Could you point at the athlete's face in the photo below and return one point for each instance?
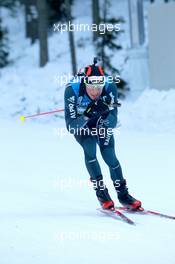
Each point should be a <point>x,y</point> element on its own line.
<point>93,92</point>
<point>94,86</point>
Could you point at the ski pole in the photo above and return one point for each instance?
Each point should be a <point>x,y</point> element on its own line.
<point>22,118</point>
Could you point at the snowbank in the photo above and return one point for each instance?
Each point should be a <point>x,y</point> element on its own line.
<point>153,111</point>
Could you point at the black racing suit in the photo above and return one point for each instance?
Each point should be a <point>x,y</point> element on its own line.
<point>76,122</point>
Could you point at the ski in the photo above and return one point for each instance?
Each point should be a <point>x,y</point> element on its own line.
<point>145,212</point>
<point>114,213</point>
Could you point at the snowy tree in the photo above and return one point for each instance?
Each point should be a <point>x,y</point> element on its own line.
<point>4,50</point>
<point>71,38</point>
<point>8,4</point>
<point>3,46</point>
<point>107,45</point>
<point>42,31</point>
<point>31,18</point>
<point>56,11</point>
<point>95,17</point>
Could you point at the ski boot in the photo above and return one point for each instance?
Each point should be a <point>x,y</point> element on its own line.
<point>125,198</point>
<point>102,194</point>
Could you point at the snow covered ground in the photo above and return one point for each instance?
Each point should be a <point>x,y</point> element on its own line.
<point>48,208</point>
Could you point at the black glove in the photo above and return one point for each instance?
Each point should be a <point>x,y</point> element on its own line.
<point>91,110</point>
<point>96,109</point>
<point>102,107</point>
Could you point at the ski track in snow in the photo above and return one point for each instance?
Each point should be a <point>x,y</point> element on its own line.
<point>48,208</point>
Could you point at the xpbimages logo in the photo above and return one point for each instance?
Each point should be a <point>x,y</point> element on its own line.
<point>101,132</point>
<point>102,28</point>
<point>64,79</point>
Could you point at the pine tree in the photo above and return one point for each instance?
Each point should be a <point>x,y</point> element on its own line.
<point>4,50</point>
<point>3,46</point>
<point>42,31</point>
<point>71,38</point>
<point>95,17</point>
<point>56,11</point>
<point>8,4</point>
<point>107,46</point>
<point>31,20</point>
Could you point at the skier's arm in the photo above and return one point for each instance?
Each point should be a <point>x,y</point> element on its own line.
<point>73,121</point>
<point>111,119</point>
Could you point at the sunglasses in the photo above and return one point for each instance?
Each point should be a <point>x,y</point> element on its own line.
<point>95,86</point>
<point>95,82</point>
